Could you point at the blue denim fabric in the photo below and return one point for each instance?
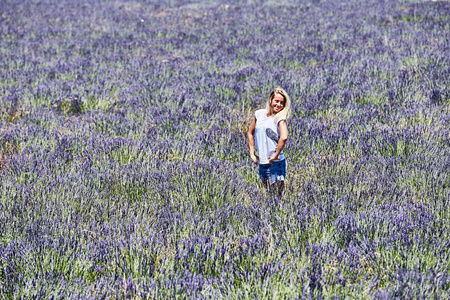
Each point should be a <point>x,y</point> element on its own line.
<point>274,172</point>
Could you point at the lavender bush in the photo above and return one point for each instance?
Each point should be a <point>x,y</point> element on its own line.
<point>124,169</point>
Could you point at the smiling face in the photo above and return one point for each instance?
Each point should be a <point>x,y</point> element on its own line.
<point>277,104</point>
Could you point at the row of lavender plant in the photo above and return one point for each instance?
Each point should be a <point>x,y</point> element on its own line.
<point>124,168</point>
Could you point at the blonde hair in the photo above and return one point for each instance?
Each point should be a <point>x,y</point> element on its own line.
<point>286,111</point>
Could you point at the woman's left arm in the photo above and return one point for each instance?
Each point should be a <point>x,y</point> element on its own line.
<point>281,142</point>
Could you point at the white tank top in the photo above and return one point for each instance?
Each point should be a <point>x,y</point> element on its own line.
<point>267,134</point>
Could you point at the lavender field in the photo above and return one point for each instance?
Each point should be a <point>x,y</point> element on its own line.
<point>124,167</point>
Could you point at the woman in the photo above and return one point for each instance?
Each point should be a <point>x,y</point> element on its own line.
<point>269,133</point>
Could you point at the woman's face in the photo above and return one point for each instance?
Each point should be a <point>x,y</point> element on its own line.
<point>277,104</point>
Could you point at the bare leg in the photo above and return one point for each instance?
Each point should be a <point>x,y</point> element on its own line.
<point>280,188</point>
<point>277,186</point>
<point>265,183</point>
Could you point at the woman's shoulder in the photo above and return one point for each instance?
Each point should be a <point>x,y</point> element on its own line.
<point>260,112</point>
<point>281,118</point>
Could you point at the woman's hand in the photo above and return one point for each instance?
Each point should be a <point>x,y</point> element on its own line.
<point>272,158</point>
<point>255,158</point>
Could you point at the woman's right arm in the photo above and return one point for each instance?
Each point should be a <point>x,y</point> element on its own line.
<point>251,141</point>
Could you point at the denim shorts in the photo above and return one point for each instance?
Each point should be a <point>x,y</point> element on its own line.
<point>274,172</point>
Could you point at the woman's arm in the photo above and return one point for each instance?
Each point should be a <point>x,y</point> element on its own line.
<point>281,142</point>
<point>251,141</point>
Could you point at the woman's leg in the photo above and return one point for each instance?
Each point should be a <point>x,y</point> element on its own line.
<point>272,177</point>
<point>280,188</point>
<point>263,174</point>
<point>282,177</point>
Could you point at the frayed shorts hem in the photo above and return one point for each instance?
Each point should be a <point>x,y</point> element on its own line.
<point>274,172</point>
